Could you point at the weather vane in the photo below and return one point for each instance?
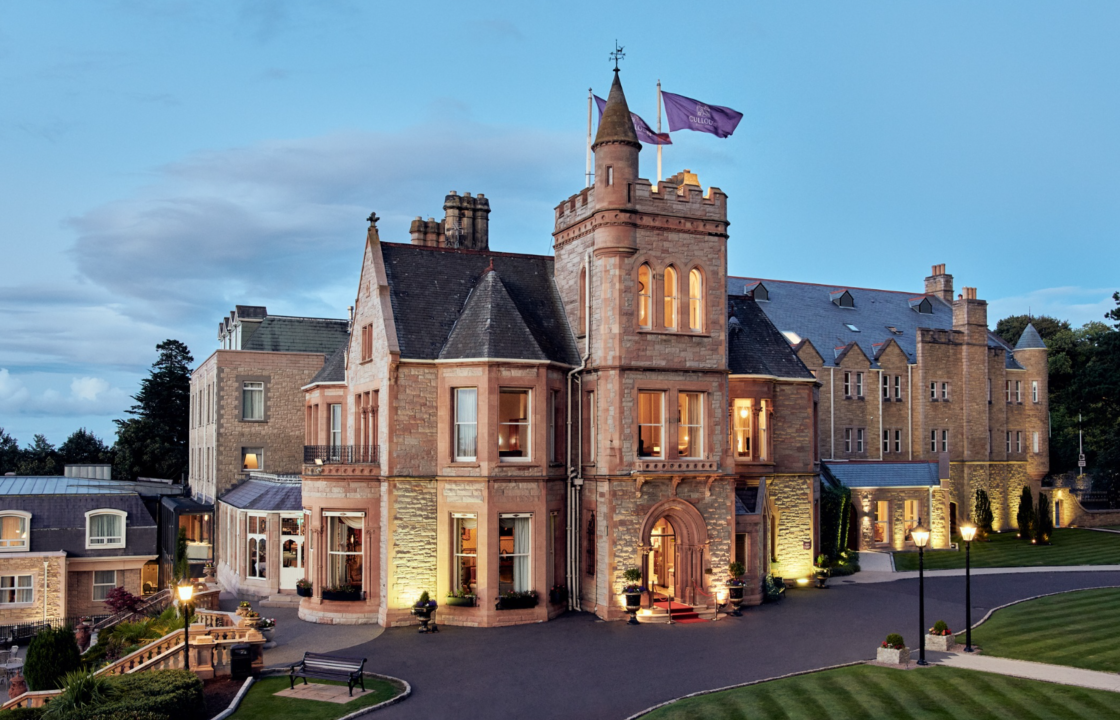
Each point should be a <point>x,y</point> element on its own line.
<point>617,55</point>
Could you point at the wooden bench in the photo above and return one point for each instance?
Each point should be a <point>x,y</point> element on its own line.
<point>330,667</point>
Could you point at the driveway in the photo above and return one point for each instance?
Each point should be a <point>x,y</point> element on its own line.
<point>578,667</point>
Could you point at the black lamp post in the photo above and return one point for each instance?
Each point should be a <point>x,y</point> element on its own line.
<point>921,539</point>
<point>968,534</point>
<point>186,590</point>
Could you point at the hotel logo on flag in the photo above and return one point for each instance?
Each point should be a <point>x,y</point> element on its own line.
<point>685,113</point>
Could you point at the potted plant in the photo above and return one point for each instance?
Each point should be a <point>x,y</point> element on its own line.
<point>423,609</point>
<point>342,593</point>
<point>244,608</point>
<point>633,592</point>
<point>735,586</point>
<point>940,638</point>
<point>462,597</point>
<point>304,587</point>
<point>821,571</point>
<point>517,600</point>
<point>893,651</point>
<point>558,594</point>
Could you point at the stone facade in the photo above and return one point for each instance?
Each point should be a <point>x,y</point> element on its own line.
<point>35,564</point>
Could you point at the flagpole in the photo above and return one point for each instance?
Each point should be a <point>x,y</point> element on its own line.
<point>659,129</point>
<point>588,175</point>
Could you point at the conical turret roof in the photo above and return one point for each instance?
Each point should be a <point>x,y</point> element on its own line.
<point>1030,339</point>
<point>616,125</point>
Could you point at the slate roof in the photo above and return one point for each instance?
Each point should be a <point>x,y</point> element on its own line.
<point>616,124</point>
<point>883,474</point>
<point>58,510</point>
<point>256,494</point>
<point>1030,339</point>
<point>754,345</point>
<point>279,333</point>
<point>807,310</point>
<point>746,500</point>
<point>58,485</point>
<point>430,290</point>
<point>334,369</point>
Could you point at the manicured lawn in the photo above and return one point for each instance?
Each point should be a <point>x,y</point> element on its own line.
<point>1080,629</point>
<point>869,692</point>
<point>261,702</point>
<point>1068,547</point>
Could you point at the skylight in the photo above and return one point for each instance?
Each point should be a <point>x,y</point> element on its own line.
<point>793,337</point>
<point>851,327</point>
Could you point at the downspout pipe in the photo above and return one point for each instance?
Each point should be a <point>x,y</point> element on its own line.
<point>575,472</point>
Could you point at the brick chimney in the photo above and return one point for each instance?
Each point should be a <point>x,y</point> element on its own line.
<point>940,283</point>
<point>466,224</point>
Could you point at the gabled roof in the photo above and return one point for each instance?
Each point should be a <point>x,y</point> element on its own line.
<point>256,494</point>
<point>429,289</point>
<point>754,345</point>
<point>334,369</point>
<point>491,326</point>
<point>808,310</point>
<point>883,474</point>
<point>1030,339</point>
<point>278,333</point>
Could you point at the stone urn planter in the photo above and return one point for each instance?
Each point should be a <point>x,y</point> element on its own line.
<point>940,643</point>
<point>17,685</point>
<point>892,656</point>
<point>424,614</point>
<point>244,609</point>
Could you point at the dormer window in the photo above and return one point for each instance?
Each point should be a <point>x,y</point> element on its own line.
<point>921,305</point>
<point>842,298</point>
<point>105,529</point>
<point>761,294</point>
<point>13,530</point>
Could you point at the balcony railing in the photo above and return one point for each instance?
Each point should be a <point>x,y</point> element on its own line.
<point>340,454</point>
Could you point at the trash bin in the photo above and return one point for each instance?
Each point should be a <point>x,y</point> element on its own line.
<point>241,661</point>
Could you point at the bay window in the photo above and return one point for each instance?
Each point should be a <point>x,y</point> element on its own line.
<point>514,541</point>
<point>690,425</point>
<point>742,423</point>
<point>514,425</point>
<point>466,552</point>
<point>257,550</point>
<point>764,418</point>
<point>651,412</point>
<point>344,549</point>
<point>466,423</point>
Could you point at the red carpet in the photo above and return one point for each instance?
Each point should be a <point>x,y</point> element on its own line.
<point>683,614</point>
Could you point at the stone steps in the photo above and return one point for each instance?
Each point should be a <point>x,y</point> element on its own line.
<point>281,601</point>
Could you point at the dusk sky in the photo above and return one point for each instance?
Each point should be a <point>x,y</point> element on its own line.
<point>164,161</point>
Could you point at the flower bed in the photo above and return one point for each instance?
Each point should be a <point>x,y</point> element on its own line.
<point>518,600</point>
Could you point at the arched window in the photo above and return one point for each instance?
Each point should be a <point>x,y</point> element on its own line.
<point>671,298</point>
<point>583,301</point>
<point>645,308</point>
<point>13,530</point>
<point>105,529</point>
<point>695,300</point>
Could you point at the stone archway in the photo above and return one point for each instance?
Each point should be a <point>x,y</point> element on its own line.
<point>691,534</point>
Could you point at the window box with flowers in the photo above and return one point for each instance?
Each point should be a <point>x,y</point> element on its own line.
<point>460,598</point>
<point>304,587</point>
<point>517,600</point>
<point>342,593</point>
<point>558,594</point>
<point>940,638</point>
<point>893,651</point>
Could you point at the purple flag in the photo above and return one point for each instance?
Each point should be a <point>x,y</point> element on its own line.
<point>688,114</point>
<point>645,134</point>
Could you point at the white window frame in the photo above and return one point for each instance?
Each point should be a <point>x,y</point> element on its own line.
<point>1034,441</point>
<point>23,545</point>
<point>361,554</point>
<point>252,386</point>
<point>945,391</point>
<point>933,391</point>
<point>1008,442</point>
<point>257,536</point>
<point>696,301</point>
<point>527,553</point>
<point>886,441</point>
<point>91,544</point>
<point>742,425</point>
<point>15,588</point>
<point>933,441</point>
<point>886,383</point>
<point>336,424</point>
<point>660,395</point>
<point>457,552</point>
<point>593,433</point>
<point>1018,441</point>
<point>860,433</point>
<point>1034,391</point>
<point>898,441</point>
<point>456,422</point>
<point>525,428</point>
<point>1008,391</point>
<point>847,384</point>
<point>670,304</point>
<point>944,441</point>
<point>848,440</point>
<point>898,387</point>
<point>97,585</point>
<point>697,430</point>
<point>645,299</point>
<point>882,518</point>
<point>859,384</point>
<point>1018,391</point>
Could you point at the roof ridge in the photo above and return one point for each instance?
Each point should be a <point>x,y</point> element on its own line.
<point>826,285</point>
<point>464,251</point>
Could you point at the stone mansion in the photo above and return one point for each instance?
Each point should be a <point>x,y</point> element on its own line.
<point>498,424</point>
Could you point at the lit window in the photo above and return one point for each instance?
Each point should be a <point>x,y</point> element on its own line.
<point>910,511</point>
<point>650,423</point>
<point>644,303</point>
<point>882,522</point>
<point>257,534</point>
<point>690,428</point>
<point>105,528</point>
<point>252,458</point>
<point>16,589</point>
<point>513,552</point>
<point>344,550</point>
<point>103,583</point>
<point>764,419</point>
<point>695,300</point>
<point>466,423</point>
<point>13,530</point>
<point>252,401</point>
<point>742,420</point>
<point>466,552</point>
<point>670,298</point>
<point>513,424</point>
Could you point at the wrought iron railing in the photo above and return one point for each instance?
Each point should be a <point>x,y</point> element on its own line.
<point>340,454</point>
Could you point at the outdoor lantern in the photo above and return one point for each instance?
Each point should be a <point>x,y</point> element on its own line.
<point>920,535</point>
<point>968,532</point>
<point>186,590</point>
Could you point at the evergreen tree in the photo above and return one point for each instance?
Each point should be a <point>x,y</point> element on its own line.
<point>10,454</point>
<point>1025,516</point>
<point>982,513</point>
<point>84,448</point>
<point>1044,525</point>
<point>154,443</point>
<point>182,568</point>
<point>39,458</point>
<point>53,653</point>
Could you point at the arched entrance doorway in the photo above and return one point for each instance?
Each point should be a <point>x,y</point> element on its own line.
<point>674,541</point>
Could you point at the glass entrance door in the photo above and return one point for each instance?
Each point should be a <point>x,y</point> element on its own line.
<point>291,551</point>
<point>662,559</point>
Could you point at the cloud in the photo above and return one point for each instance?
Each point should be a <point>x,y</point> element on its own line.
<point>1075,304</point>
<point>87,396</point>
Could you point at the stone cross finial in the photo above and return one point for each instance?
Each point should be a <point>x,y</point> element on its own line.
<point>373,218</point>
<point>617,55</point>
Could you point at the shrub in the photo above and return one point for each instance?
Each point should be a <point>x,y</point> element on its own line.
<point>773,588</point>
<point>735,570</point>
<point>82,692</point>
<point>894,641</point>
<point>22,714</point>
<point>835,513</point>
<point>982,514</point>
<point>1025,516</point>
<point>939,628</point>
<point>53,653</point>
<point>167,694</point>
<point>1044,523</point>
<point>120,600</point>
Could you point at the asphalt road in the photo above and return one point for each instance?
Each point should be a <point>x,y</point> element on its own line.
<point>576,667</point>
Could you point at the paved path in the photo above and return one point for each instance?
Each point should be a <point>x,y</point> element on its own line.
<point>1103,530</point>
<point>1031,670</point>
<point>294,637</point>
<point>578,667</point>
<point>873,576</point>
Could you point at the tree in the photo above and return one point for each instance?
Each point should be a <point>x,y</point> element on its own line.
<point>84,448</point>
<point>10,454</point>
<point>1025,516</point>
<point>39,458</point>
<point>154,443</point>
<point>982,513</point>
<point>53,653</point>
<point>182,568</point>
<point>1096,394</point>
<point>1011,327</point>
<point>1044,525</point>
